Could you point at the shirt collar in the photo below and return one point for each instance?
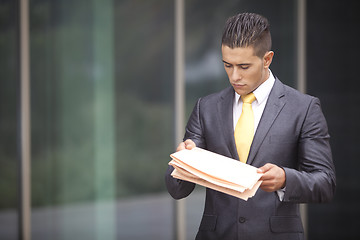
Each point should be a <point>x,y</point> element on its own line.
<point>263,91</point>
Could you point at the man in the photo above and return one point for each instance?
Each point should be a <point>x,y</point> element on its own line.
<point>289,142</point>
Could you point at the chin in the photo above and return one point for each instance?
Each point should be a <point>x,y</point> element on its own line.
<point>241,91</point>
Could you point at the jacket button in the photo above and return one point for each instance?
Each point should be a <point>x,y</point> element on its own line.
<point>242,219</point>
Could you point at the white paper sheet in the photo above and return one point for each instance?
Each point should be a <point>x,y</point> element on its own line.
<point>216,172</point>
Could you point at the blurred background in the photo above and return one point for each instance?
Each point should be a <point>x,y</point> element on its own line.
<point>102,109</point>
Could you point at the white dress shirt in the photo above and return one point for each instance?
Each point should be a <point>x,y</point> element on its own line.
<point>258,106</point>
<point>261,94</point>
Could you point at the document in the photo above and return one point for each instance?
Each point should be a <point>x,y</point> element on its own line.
<point>217,172</point>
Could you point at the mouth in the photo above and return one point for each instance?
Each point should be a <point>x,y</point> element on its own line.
<point>239,85</point>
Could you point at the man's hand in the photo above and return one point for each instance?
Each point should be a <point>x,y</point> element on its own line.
<point>188,144</point>
<point>273,179</point>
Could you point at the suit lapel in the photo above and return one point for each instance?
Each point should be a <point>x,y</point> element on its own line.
<point>225,111</point>
<point>274,105</point>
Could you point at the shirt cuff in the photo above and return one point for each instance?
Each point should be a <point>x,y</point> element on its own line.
<point>281,193</point>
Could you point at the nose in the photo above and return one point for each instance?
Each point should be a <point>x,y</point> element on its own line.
<point>236,75</point>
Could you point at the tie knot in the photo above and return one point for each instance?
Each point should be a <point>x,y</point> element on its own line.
<point>249,98</point>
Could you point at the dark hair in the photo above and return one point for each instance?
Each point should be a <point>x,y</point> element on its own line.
<point>248,29</point>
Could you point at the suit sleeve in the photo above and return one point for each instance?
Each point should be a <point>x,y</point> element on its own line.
<point>178,188</point>
<point>314,180</point>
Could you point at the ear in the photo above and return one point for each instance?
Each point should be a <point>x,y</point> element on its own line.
<point>268,58</point>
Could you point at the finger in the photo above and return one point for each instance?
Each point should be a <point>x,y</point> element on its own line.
<point>180,147</point>
<point>268,186</point>
<point>267,183</point>
<point>269,174</point>
<point>267,189</point>
<point>189,144</point>
<point>264,168</point>
<point>266,177</point>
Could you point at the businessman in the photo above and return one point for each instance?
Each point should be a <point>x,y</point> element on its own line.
<point>262,122</point>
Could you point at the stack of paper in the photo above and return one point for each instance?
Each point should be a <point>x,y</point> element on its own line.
<point>216,171</point>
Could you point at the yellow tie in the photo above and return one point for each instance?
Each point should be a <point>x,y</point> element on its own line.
<point>244,130</point>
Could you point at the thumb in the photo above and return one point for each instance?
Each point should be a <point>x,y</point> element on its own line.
<point>181,146</point>
<point>264,168</point>
<point>189,144</point>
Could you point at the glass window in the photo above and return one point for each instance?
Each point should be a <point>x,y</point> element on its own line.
<point>102,118</point>
<point>102,86</point>
<point>144,73</point>
<point>9,84</point>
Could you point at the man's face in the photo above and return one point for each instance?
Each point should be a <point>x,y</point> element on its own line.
<point>245,70</point>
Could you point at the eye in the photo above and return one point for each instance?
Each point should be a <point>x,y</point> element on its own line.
<point>227,65</point>
<point>244,67</point>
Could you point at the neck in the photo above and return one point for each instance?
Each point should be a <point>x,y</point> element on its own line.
<point>267,75</point>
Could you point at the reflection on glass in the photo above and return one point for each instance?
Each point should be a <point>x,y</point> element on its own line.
<point>102,76</point>
<point>102,109</point>
<point>9,84</point>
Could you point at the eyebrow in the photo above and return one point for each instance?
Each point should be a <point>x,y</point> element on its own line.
<point>241,64</point>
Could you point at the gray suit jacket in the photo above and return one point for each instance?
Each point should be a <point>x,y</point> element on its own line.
<point>292,134</point>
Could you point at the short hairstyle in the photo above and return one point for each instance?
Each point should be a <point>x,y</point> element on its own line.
<point>248,29</point>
